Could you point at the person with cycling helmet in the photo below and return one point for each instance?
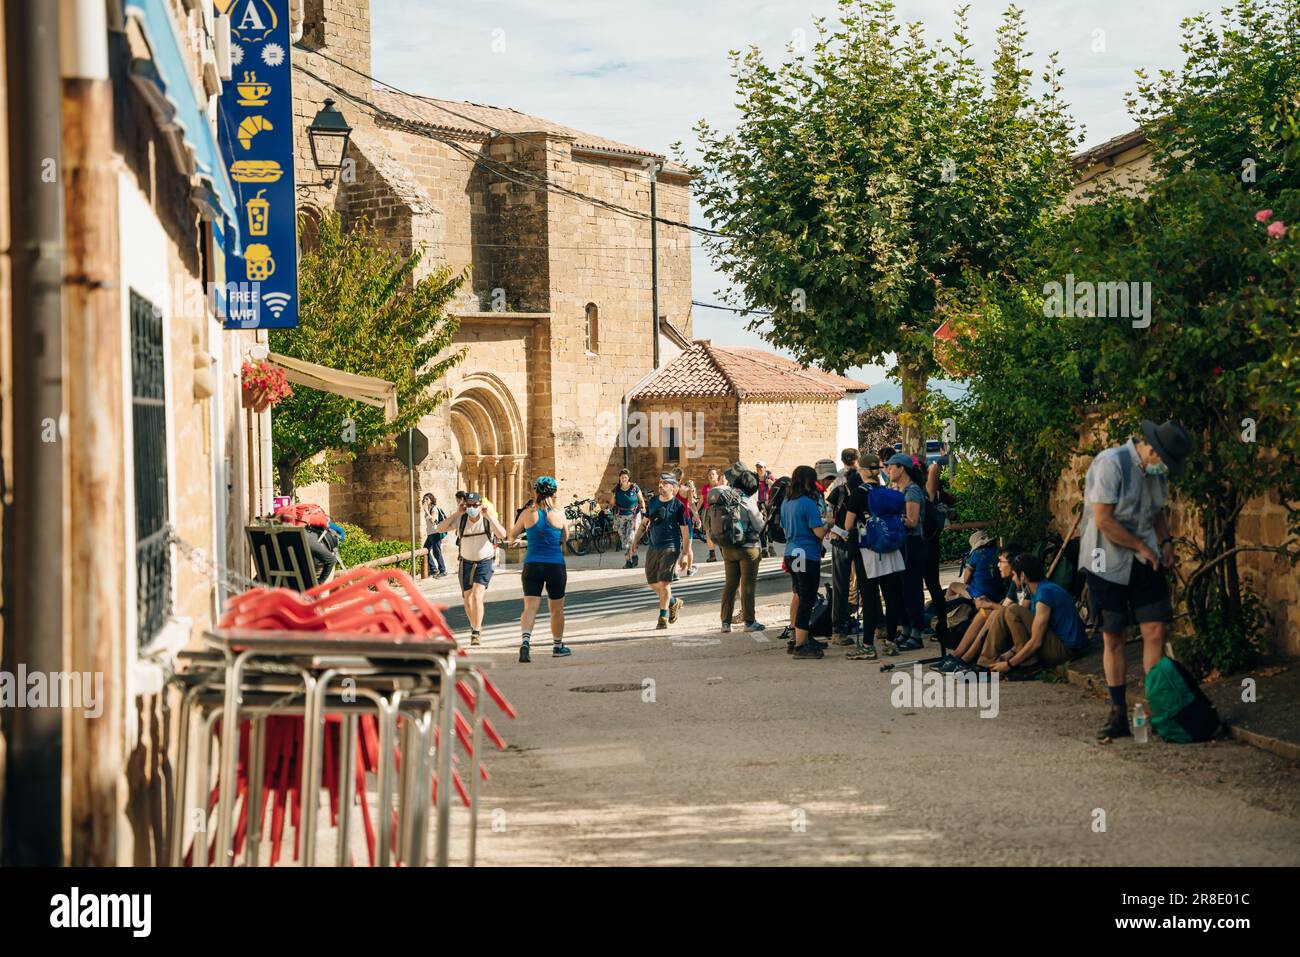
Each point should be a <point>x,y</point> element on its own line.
<point>629,504</point>
<point>543,524</point>
<point>476,525</point>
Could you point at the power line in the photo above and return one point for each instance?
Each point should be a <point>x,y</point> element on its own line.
<point>711,305</point>
<point>534,181</point>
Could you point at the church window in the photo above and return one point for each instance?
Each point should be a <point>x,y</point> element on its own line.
<point>591,328</point>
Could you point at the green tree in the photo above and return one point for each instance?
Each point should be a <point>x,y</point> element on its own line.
<point>361,310</point>
<point>875,174</point>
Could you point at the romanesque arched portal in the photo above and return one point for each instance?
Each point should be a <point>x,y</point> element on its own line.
<point>490,441</point>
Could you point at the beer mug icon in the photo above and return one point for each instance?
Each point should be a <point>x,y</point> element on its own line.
<point>260,264</point>
<point>259,214</point>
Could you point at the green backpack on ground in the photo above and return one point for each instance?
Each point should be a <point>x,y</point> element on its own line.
<point>1180,711</point>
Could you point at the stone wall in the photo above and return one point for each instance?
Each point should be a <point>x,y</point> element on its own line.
<point>718,432</point>
<point>1262,522</point>
<point>785,435</point>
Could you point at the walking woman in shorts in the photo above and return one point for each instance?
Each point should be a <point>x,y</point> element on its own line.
<point>544,567</point>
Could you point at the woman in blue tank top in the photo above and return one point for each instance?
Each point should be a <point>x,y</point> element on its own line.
<point>543,524</point>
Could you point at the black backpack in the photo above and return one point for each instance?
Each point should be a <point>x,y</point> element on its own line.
<point>726,522</point>
<point>819,623</point>
<point>775,498</point>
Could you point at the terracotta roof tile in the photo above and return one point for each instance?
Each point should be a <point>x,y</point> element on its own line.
<point>456,116</point>
<point>707,370</point>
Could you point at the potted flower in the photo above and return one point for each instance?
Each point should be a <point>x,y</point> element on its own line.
<point>263,385</point>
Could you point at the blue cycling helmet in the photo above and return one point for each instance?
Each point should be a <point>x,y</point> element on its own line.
<point>545,486</point>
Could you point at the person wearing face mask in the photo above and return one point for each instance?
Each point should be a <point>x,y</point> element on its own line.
<point>1127,550</point>
<point>477,534</point>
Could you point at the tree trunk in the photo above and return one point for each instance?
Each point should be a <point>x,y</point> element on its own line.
<point>285,472</point>
<point>913,380</point>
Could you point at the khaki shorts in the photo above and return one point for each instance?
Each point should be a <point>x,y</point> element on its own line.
<point>660,563</point>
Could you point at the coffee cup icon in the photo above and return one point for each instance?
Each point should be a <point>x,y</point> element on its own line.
<point>260,265</point>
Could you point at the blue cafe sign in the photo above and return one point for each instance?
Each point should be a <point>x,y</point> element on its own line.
<point>255,133</point>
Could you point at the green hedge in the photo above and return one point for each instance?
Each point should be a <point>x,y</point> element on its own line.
<point>975,503</point>
<point>358,547</point>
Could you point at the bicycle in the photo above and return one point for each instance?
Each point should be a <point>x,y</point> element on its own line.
<point>589,529</point>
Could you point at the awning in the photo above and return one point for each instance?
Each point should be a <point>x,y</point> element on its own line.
<point>363,388</point>
<point>162,78</point>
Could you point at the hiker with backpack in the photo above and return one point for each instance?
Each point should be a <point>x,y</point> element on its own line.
<point>629,504</point>
<point>1128,550</point>
<point>847,570</point>
<point>874,518</point>
<point>477,533</point>
<point>735,524</point>
<point>544,526</point>
<point>901,468</point>
<point>990,600</point>
<point>433,517</point>
<point>803,528</point>
<point>668,527</point>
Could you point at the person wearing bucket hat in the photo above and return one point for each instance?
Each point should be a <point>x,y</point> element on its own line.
<point>1127,550</point>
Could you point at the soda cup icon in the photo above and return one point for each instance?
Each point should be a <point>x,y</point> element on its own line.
<point>259,214</point>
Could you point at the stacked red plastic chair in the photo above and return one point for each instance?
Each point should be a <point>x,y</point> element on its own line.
<point>359,602</point>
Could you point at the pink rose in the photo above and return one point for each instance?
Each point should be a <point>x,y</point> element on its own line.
<point>1276,230</point>
<point>1264,215</point>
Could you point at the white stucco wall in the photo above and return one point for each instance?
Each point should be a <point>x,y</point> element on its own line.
<point>846,430</point>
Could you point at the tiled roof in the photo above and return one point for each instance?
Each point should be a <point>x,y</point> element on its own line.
<point>707,370</point>
<point>456,116</point>
<point>1112,147</point>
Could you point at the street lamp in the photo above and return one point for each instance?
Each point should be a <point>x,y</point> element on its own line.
<point>329,133</point>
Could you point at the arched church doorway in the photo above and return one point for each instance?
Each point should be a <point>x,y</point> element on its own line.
<point>490,445</point>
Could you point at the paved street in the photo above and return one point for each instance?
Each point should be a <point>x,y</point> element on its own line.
<point>694,747</point>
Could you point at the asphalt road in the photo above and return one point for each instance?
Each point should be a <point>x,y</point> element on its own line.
<point>691,747</point>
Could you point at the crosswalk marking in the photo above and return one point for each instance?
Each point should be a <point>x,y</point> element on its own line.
<point>637,597</point>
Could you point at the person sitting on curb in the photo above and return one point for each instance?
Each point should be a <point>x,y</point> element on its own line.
<point>986,609</point>
<point>667,525</point>
<point>1127,550</point>
<point>1045,634</point>
<point>475,524</point>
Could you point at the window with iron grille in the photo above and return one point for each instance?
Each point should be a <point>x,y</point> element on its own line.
<point>149,438</point>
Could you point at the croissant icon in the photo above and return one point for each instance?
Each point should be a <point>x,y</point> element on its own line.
<point>249,127</point>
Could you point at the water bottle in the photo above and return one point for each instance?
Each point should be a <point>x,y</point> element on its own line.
<point>1140,726</point>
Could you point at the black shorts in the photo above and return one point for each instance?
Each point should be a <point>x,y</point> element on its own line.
<point>554,575</point>
<point>1145,598</point>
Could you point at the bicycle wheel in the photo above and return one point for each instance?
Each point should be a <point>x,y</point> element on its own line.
<point>599,537</point>
<point>580,538</point>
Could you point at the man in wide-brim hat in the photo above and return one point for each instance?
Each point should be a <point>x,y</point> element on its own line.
<point>1127,551</point>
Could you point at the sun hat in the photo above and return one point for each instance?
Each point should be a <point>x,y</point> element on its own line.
<point>1171,441</point>
<point>826,467</point>
<point>979,539</point>
<point>901,459</point>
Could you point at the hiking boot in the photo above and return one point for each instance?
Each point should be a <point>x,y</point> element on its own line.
<point>950,664</point>
<point>808,650</point>
<point>1116,725</point>
<point>755,626</point>
<point>910,643</point>
<point>635,561</point>
<point>711,557</point>
<point>891,649</point>
<point>474,638</point>
<point>814,643</point>
<point>560,650</point>
<point>843,640</point>
<point>865,653</point>
<point>663,624</point>
<point>524,656</point>
<point>673,608</point>
<point>726,628</point>
<point>692,570</point>
<point>628,563</point>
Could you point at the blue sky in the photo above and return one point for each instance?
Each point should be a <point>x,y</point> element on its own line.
<point>645,71</point>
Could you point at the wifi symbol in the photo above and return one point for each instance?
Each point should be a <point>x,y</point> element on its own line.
<point>276,301</point>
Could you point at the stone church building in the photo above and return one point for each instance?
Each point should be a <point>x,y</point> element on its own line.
<point>557,311</point>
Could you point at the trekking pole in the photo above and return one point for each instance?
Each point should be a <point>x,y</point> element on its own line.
<point>1078,518</point>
